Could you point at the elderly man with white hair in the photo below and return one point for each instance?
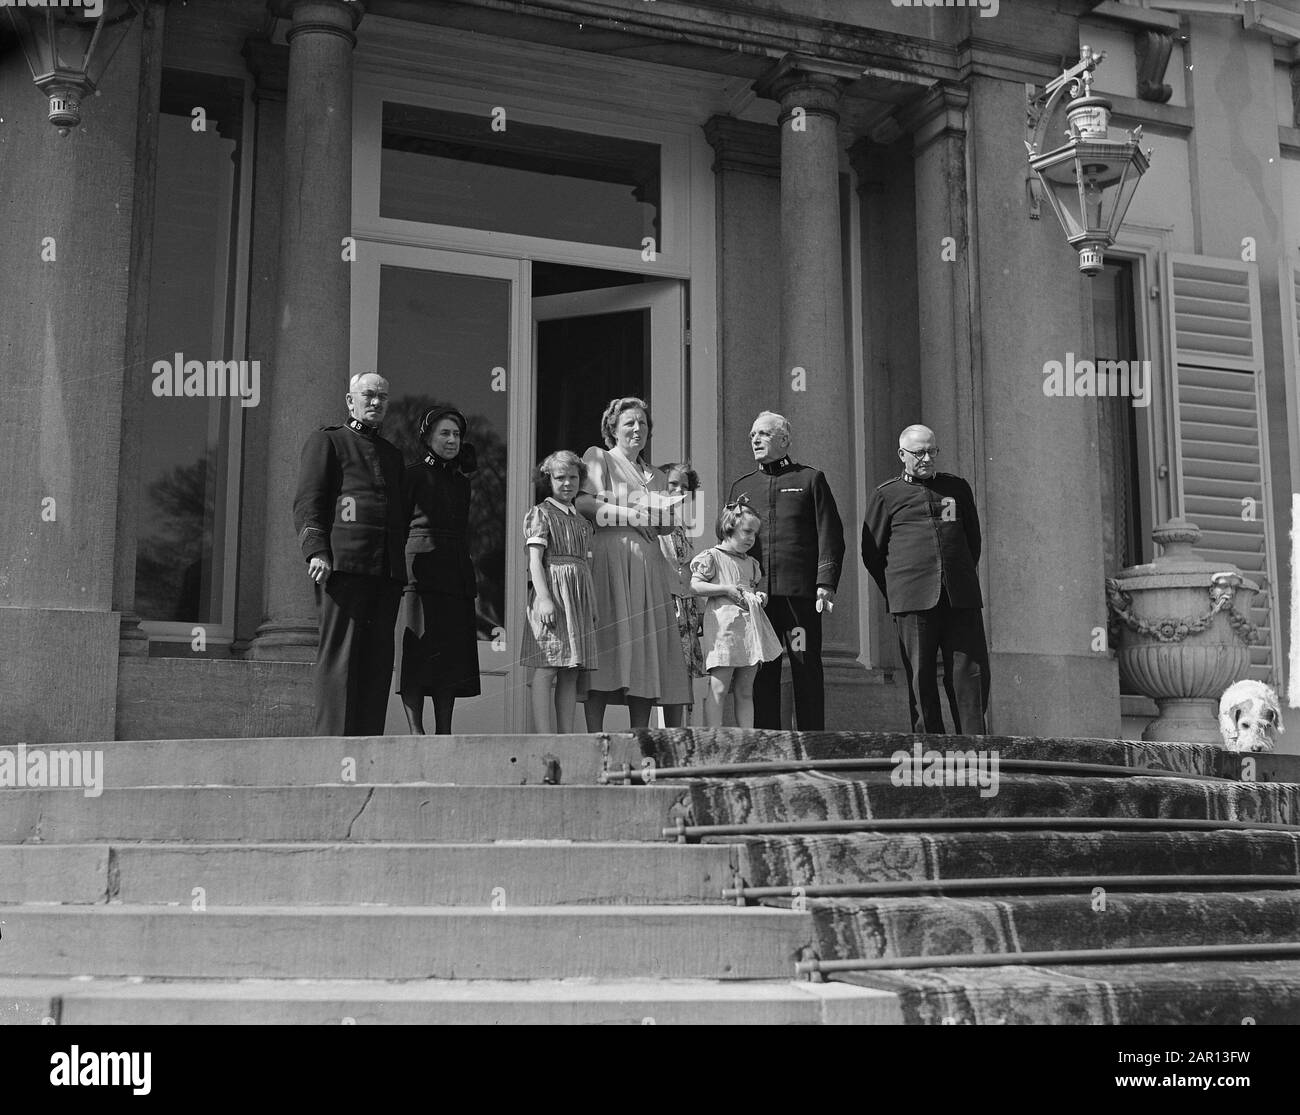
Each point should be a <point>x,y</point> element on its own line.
<point>351,514</point>
<point>800,548</point>
<point>921,545</point>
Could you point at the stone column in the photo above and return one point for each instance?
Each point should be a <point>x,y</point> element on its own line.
<point>67,226</point>
<point>310,375</point>
<point>815,390</point>
<point>747,171</point>
<point>1044,557</point>
<point>269,64</point>
<point>134,643</point>
<point>949,368</point>
<point>891,346</point>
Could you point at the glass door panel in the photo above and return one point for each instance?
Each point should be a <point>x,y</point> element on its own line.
<point>441,328</point>
<point>595,345</point>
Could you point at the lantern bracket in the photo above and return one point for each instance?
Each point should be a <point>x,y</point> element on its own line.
<point>1039,108</point>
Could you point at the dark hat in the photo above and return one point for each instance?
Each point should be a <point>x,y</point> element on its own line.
<point>467,459</point>
<point>436,414</point>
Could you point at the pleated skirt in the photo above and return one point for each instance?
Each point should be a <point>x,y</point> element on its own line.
<point>638,647</point>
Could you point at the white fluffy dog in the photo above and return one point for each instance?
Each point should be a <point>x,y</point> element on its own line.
<point>1249,716</point>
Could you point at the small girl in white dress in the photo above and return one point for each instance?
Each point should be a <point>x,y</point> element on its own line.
<point>738,637</point>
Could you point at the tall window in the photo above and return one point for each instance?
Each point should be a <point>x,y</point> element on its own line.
<point>187,512</point>
<point>1115,338</point>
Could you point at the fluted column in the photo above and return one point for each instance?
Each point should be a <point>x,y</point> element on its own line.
<point>815,390</point>
<point>310,374</point>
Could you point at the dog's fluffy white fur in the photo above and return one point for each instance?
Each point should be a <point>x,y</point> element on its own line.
<point>1249,716</point>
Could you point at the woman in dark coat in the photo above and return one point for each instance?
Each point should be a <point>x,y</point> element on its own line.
<point>438,645</point>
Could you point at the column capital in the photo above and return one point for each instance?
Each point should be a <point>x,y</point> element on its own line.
<point>865,155</point>
<point>813,84</point>
<point>938,113</point>
<point>330,17</point>
<point>268,62</point>
<point>744,145</point>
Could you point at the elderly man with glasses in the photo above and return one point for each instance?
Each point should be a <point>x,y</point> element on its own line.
<point>921,545</point>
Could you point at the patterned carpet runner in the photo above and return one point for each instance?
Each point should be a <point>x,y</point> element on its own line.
<point>1000,919</point>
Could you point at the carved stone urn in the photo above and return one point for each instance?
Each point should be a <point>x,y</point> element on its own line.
<point>1183,637</point>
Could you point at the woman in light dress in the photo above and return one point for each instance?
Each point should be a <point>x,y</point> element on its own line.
<point>638,650</point>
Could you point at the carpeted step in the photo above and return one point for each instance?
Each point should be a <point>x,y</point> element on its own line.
<point>877,857</point>
<point>1187,993</point>
<point>875,928</point>
<point>809,796</point>
<point>693,747</point>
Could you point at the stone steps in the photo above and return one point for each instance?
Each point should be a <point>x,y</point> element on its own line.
<point>542,1002</point>
<point>442,814</point>
<point>506,760</point>
<point>356,942</point>
<point>321,874</point>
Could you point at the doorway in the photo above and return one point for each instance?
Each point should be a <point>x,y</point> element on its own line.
<point>531,374</point>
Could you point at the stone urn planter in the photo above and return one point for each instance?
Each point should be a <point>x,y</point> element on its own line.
<point>1181,636</point>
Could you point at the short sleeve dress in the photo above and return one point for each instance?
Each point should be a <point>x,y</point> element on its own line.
<point>733,636</point>
<point>638,650</point>
<point>566,540</point>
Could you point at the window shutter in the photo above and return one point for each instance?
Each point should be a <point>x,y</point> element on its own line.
<point>1220,428</point>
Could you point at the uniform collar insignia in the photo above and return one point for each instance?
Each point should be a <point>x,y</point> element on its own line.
<point>360,427</point>
<point>773,467</point>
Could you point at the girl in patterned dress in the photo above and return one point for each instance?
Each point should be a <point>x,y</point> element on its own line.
<point>561,634</point>
<point>738,637</point>
<point>677,548</point>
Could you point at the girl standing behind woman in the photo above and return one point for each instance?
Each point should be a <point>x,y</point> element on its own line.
<point>561,633</point>
<point>438,648</point>
<point>738,637</point>
<point>683,481</point>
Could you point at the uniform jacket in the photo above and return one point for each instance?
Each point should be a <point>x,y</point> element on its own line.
<point>367,534</point>
<point>920,535</point>
<point>437,549</point>
<point>801,544</point>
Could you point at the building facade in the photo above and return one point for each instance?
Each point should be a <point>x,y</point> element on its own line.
<point>819,207</point>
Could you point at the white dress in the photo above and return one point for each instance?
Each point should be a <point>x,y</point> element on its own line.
<point>733,636</point>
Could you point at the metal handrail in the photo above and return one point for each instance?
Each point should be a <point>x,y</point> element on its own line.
<point>647,775</point>
<point>1062,956</point>
<point>682,831</point>
<point>1008,882</point>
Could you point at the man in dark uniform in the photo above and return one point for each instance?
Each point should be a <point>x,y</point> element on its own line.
<point>921,545</point>
<point>351,516</point>
<point>800,549</point>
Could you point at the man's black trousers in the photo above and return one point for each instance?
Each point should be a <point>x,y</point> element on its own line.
<point>798,623</point>
<point>957,633</point>
<point>354,662</point>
